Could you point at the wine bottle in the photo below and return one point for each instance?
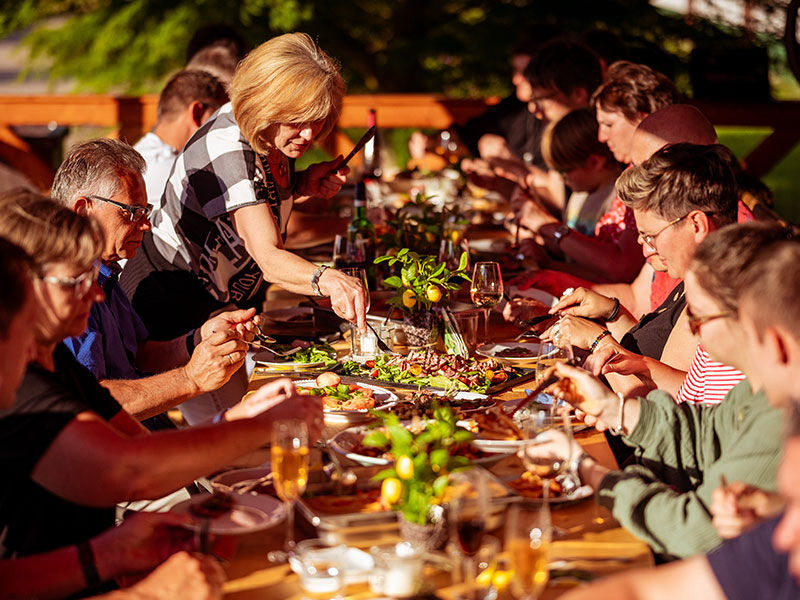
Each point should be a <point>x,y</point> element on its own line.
<point>372,159</point>
<point>361,236</point>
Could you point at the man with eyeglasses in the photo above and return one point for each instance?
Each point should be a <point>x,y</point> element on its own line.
<point>103,179</point>
<point>188,99</point>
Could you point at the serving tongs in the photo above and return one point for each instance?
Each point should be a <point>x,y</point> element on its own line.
<point>531,395</point>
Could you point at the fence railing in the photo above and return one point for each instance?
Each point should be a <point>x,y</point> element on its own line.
<point>130,117</point>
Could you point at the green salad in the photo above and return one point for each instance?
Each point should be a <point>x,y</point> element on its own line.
<point>315,353</point>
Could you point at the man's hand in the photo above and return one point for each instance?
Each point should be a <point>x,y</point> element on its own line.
<point>738,506</point>
<point>319,182</point>
<point>182,577</point>
<point>215,359</point>
<point>348,296</point>
<point>593,402</point>
<point>491,145</point>
<point>529,212</point>
<point>243,321</point>
<point>574,330</point>
<point>584,303</point>
<point>141,542</point>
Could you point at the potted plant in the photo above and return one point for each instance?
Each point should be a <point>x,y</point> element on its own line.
<point>423,281</point>
<point>416,484</point>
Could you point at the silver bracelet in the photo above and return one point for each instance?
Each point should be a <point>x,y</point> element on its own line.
<point>575,465</point>
<point>619,430</point>
<point>315,280</point>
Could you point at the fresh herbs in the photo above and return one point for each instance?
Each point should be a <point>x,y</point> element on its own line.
<point>315,353</point>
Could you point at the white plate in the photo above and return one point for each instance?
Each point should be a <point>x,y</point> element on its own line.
<point>297,314</point>
<point>489,245</point>
<point>249,514</point>
<point>383,397</point>
<point>540,295</point>
<point>228,478</point>
<point>583,492</point>
<point>491,349</point>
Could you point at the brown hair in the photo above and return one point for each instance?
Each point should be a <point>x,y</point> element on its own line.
<point>288,79</point>
<point>49,232</point>
<point>186,87</point>
<point>14,278</point>
<point>564,66</point>
<point>569,142</point>
<point>95,168</point>
<point>633,88</point>
<point>721,261</point>
<point>773,276</point>
<point>681,178</point>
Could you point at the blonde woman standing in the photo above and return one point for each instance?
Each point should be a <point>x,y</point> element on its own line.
<point>218,232</point>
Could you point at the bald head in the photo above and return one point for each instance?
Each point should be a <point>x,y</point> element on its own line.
<point>671,125</point>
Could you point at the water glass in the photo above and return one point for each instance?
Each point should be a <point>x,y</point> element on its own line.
<point>398,570</point>
<point>321,569</point>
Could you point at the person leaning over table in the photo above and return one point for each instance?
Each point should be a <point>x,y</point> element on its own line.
<point>68,451</point>
<point>762,563</point>
<point>217,235</point>
<point>102,179</point>
<point>678,196</point>
<point>141,543</point>
<point>683,451</point>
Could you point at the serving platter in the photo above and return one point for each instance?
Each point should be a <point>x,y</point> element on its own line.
<point>495,350</point>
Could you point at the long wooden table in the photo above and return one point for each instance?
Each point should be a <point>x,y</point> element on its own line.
<point>594,541</point>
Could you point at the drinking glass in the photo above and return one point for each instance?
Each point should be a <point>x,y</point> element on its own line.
<point>289,456</point>
<point>486,289</point>
<point>321,569</point>
<point>468,509</point>
<point>544,460</point>
<point>528,537</point>
<point>549,354</point>
<point>449,253</point>
<point>347,252</point>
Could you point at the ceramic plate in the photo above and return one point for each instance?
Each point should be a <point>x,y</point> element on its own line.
<point>249,514</point>
<point>492,349</point>
<point>541,296</point>
<point>383,397</point>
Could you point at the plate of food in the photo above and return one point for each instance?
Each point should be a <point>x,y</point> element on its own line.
<point>299,355</point>
<point>232,514</point>
<point>496,432</point>
<point>510,352</point>
<point>420,404</point>
<point>349,443</point>
<point>531,486</point>
<point>429,368</point>
<point>338,397</point>
<point>302,315</point>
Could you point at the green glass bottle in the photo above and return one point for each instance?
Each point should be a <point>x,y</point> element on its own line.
<point>361,236</point>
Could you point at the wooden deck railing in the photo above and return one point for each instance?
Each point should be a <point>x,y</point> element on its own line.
<point>128,118</point>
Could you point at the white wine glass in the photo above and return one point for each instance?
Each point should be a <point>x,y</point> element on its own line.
<point>486,289</point>
<point>289,456</point>
<point>528,538</point>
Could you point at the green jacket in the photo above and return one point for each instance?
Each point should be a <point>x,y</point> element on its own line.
<point>683,450</point>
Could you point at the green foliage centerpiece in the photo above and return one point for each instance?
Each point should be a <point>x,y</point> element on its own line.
<point>417,482</point>
<point>422,283</point>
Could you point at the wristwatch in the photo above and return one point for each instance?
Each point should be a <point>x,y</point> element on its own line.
<point>560,233</point>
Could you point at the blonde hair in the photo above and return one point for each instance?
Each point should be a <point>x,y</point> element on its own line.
<point>49,232</point>
<point>569,142</point>
<point>288,79</point>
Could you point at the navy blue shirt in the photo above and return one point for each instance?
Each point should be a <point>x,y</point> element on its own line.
<point>749,567</point>
<point>108,346</point>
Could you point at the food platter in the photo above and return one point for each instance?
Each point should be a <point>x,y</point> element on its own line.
<point>347,443</point>
<point>510,352</point>
<point>249,513</point>
<point>383,398</point>
<point>529,487</point>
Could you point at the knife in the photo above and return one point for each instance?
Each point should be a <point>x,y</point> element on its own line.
<point>359,145</point>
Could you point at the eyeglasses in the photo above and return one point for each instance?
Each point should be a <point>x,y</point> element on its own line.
<point>650,238</point>
<point>80,284</point>
<point>695,322</point>
<point>135,213</point>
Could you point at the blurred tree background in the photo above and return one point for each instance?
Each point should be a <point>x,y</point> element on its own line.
<point>458,47</point>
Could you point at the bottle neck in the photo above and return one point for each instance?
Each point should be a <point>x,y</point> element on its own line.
<point>359,209</point>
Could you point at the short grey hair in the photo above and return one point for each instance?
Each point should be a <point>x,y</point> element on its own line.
<point>95,168</point>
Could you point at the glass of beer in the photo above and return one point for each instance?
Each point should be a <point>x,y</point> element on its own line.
<point>289,456</point>
<point>528,537</point>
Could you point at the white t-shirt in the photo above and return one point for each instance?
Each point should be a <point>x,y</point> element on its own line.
<point>159,157</point>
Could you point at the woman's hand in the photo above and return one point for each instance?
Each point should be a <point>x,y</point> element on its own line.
<point>318,180</point>
<point>584,303</point>
<point>578,332</point>
<point>530,213</point>
<point>738,506</point>
<point>595,403</point>
<point>348,297</point>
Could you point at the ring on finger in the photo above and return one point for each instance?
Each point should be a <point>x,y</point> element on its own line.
<point>230,359</point>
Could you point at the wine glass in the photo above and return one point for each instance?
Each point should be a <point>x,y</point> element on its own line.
<point>340,254</point>
<point>486,289</point>
<point>468,509</point>
<point>528,537</point>
<point>542,458</point>
<point>449,253</point>
<point>289,456</point>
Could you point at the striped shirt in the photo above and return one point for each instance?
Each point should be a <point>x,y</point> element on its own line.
<point>707,381</point>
